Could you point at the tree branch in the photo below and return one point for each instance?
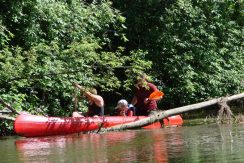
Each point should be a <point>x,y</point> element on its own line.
<point>6,118</point>
<point>9,107</point>
<point>163,114</point>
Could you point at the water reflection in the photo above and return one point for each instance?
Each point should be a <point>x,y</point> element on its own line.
<point>75,148</point>
<point>129,146</point>
<point>206,143</point>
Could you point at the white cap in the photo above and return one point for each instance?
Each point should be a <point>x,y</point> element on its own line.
<point>121,103</point>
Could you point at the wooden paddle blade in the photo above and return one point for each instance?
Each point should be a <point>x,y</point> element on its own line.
<point>156,95</point>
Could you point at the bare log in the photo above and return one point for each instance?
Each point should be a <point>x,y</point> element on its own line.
<point>9,107</point>
<point>5,111</point>
<point>4,117</point>
<point>157,116</point>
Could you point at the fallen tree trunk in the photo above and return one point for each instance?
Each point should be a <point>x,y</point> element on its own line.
<point>4,117</point>
<point>157,116</point>
<point>8,106</point>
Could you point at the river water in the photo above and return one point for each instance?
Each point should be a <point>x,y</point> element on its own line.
<point>202,143</point>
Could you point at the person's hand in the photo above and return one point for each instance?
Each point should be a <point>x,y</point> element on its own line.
<point>79,87</point>
<point>76,85</point>
<point>146,101</point>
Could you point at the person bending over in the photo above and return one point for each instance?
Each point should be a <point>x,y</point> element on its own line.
<point>141,101</point>
<point>95,102</point>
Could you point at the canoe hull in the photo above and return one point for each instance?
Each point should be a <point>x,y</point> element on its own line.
<point>32,126</point>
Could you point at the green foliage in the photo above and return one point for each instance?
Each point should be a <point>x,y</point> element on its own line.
<point>57,43</point>
<point>5,35</point>
<point>196,47</point>
<point>193,50</point>
<point>204,47</point>
<point>6,128</point>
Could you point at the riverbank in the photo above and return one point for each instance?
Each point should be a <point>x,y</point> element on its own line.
<point>6,128</point>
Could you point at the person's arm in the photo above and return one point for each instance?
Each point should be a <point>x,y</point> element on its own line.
<point>134,100</point>
<point>98,100</point>
<point>130,113</point>
<point>152,88</point>
<point>79,87</point>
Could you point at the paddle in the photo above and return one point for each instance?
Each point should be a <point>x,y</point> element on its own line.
<point>77,86</point>
<point>75,101</point>
<point>156,95</point>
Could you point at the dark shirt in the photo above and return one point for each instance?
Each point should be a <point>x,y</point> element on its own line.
<point>141,94</point>
<point>93,109</point>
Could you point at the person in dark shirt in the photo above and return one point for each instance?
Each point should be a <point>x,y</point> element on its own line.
<point>96,103</point>
<point>140,100</point>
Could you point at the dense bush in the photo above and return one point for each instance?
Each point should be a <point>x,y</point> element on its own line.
<point>193,50</point>
<point>196,47</point>
<point>48,45</point>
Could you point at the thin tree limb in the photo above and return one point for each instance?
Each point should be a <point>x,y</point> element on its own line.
<point>9,107</point>
<point>6,117</point>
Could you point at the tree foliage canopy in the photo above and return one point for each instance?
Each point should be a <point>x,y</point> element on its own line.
<point>196,47</point>
<point>193,50</point>
<point>47,45</point>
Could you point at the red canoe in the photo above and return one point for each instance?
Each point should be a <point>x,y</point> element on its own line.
<point>32,125</point>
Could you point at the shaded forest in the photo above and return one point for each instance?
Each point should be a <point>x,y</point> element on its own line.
<point>192,50</point>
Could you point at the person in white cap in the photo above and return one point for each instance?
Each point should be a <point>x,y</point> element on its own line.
<point>122,108</point>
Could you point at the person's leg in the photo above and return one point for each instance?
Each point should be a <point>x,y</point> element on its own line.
<point>76,114</point>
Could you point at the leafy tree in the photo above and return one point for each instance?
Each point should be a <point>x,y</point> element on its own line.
<point>196,47</point>
<point>57,43</point>
<point>193,50</point>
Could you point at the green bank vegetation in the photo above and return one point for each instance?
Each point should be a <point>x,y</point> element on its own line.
<point>193,50</point>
